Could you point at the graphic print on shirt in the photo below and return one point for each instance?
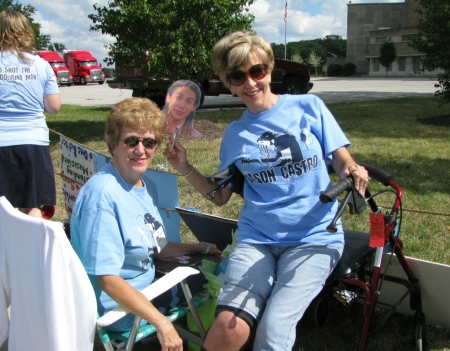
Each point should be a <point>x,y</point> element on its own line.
<point>152,225</point>
<point>283,151</point>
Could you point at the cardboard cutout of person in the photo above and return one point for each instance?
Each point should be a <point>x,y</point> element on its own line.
<point>182,100</point>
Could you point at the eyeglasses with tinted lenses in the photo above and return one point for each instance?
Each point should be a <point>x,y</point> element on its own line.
<point>132,141</point>
<point>256,72</point>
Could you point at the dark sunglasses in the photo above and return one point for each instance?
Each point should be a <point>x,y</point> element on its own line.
<point>256,72</point>
<point>132,141</point>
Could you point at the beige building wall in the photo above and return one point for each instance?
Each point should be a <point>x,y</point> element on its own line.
<point>364,18</point>
<point>370,25</point>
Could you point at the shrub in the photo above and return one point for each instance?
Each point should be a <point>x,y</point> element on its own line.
<point>334,70</point>
<point>349,69</point>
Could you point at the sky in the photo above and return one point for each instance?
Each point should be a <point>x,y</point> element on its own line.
<point>66,21</point>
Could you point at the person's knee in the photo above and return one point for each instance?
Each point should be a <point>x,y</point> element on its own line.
<point>227,329</point>
<point>245,316</point>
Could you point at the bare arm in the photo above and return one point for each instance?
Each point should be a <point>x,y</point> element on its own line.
<point>176,155</point>
<point>344,165</point>
<point>177,249</point>
<point>52,103</point>
<point>135,302</point>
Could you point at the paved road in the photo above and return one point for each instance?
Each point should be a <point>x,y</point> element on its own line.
<point>329,89</point>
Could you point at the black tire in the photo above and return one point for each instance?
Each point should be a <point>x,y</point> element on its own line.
<point>202,97</point>
<point>293,86</point>
<point>83,81</point>
<point>318,310</point>
<point>69,85</point>
<point>101,82</point>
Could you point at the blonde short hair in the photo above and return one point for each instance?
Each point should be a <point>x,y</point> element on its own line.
<point>136,113</point>
<point>232,51</point>
<point>16,33</point>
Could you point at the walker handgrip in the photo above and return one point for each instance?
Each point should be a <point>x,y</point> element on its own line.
<point>337,189</point>
<point>378,174</point>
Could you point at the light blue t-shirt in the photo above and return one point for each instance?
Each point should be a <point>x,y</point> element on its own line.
<point>109,233</point>
<point>22,89</point>
<point>282,152</point>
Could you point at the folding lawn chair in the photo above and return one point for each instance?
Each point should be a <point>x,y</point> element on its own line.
<point>126,340</point>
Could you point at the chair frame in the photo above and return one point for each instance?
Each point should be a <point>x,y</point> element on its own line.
<point>127,340</point>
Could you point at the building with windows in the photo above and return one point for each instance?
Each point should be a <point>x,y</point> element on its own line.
<point>370,25</point>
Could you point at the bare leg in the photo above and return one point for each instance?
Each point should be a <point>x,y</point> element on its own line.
<point>34,212</point>
<point>228,333</point>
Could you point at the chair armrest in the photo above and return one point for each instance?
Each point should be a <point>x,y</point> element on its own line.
<point>153,290</point>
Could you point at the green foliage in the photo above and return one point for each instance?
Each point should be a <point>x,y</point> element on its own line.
<point>349,69</point>
<point>171,39</point>
<point>56,47</point>
<point>297,58</point>
<point>278,51</point>
<point>333,44</point>
<point>434,41</point>
<point>334,70</point>
<point>42,40</point>
<point>388,54</point>
<point>314,60</point>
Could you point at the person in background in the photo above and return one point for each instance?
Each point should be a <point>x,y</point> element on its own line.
<point>182,99</point>
<point>116,228</point>
<point>28,88</point>
<point>283,253</point>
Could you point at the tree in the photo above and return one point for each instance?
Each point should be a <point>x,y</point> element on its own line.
<point>171,39</point>
<point>42,40</point>
<point>388,54</point>
<point>278,50</point>
<point>314,60</point>
<point>297,58</point>
<point>57,47</point>
<point>433,40</point>
<point>334,44</point>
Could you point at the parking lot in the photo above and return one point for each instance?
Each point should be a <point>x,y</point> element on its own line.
<point>331,90</point>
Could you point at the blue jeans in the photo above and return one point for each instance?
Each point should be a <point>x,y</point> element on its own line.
<point>275,285</point>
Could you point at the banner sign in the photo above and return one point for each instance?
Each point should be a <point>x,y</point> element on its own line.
<point>79,163</point>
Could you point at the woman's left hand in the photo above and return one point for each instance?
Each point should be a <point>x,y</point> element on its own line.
<point>211,249</point>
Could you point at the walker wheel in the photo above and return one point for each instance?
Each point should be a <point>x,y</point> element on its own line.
<point>420,341</point>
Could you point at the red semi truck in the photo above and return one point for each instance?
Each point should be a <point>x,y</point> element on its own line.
<point>58,65</point>
<point>84,67</point>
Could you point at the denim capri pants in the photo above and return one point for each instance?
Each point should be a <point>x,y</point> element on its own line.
<point>275,285</point>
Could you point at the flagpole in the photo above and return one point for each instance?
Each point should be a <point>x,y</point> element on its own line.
<point>285,29</point>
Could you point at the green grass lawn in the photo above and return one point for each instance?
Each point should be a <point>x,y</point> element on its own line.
<point>384,133</point>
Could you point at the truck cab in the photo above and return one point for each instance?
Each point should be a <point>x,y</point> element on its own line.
<point>84,67</point>
<point>58,65</point>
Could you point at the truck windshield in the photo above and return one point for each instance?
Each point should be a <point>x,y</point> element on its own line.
<point>88,63</point>
<point>57,64</point>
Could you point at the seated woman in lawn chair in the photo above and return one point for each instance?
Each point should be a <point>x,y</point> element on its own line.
<point>116,228</point>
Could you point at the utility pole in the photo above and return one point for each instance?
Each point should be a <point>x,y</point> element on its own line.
<point>285,29</point>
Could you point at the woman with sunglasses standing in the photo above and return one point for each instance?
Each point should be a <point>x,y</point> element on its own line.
<point>116,228</point>
<point>283,253</point>
<point>28,88</point>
